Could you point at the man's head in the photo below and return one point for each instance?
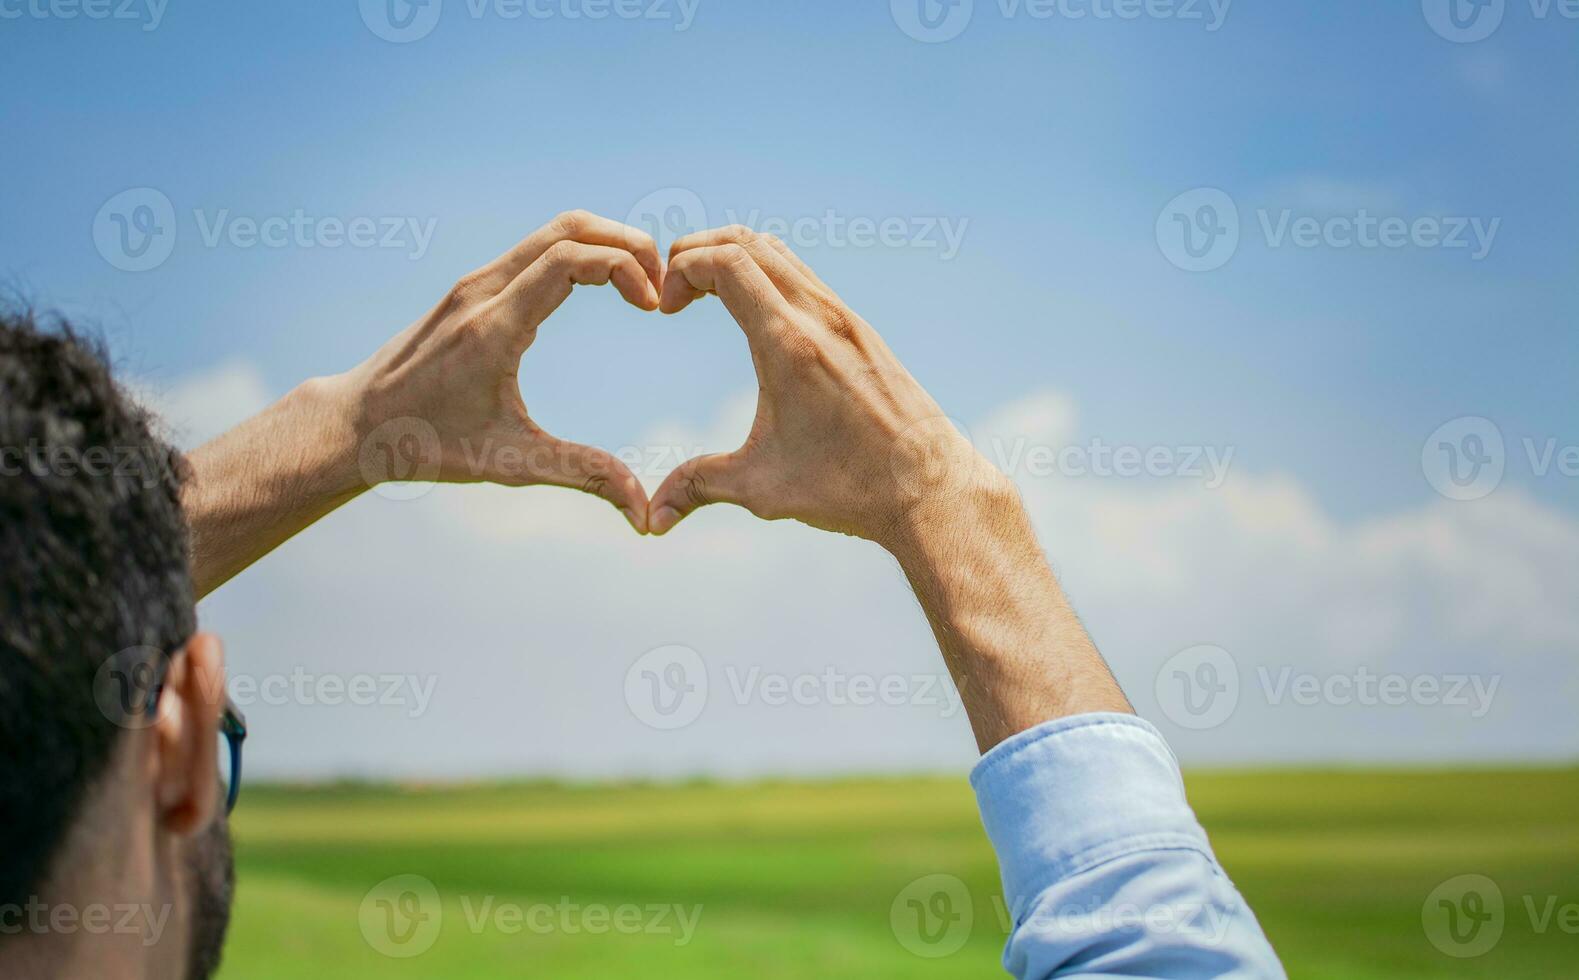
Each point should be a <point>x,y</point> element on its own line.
<point>104,803</point>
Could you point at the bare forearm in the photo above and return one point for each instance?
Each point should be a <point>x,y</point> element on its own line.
<point>1017,651</point>
<point>258,485</point>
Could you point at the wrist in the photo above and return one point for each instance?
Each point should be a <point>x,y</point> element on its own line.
<point>986,510</point>
<point>332,415</point>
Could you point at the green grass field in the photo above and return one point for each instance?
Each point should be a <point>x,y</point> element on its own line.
<point>798,880</point>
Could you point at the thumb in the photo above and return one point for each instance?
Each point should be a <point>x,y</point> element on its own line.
<point>714,479</point>
<point>558,462</point>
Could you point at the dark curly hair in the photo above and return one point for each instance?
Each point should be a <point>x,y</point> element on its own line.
<point>93,562</point>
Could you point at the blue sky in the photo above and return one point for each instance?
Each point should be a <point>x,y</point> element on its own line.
<point>1054,144</point>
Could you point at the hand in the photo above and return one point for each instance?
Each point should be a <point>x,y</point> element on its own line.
<point>442,401</point>
<point>844,438</point>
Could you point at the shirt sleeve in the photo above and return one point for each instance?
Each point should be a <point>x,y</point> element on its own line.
<point>1106,872</point>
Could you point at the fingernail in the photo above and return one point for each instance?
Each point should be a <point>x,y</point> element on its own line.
<point>664,519</point>
<point>635,521</point>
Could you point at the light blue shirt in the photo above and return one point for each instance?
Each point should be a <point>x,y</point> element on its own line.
<point>1106,872</point>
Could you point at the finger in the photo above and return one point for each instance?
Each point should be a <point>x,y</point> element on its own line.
<point>715,479</point>
<point>792,277</point>
<point>557,462</point>
<point>547,283</point>
<point>730,272</point>
<point>783,249</point>
<point>575,226</point>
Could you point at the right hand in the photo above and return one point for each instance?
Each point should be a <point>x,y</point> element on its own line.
<point>844,438</point>
<point>446,389</point>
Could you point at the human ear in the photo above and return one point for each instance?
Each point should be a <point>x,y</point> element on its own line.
<point>187,735</point>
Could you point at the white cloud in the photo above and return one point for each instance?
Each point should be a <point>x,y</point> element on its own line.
<point>198,408</point>
<point>524,609</point>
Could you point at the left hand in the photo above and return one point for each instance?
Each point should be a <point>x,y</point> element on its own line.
<point>442,402</point>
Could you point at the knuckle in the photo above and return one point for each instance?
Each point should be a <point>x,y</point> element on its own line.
<point>693,487</point>
<point>802,351</point>
<point>596,484</point>
<point>470,288</point>
<point>573,222</point>
<point>562,253</point>
<point>739,233</point>
<point>641,241</point>
<point>733,255</point>
<point>840,323</point>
